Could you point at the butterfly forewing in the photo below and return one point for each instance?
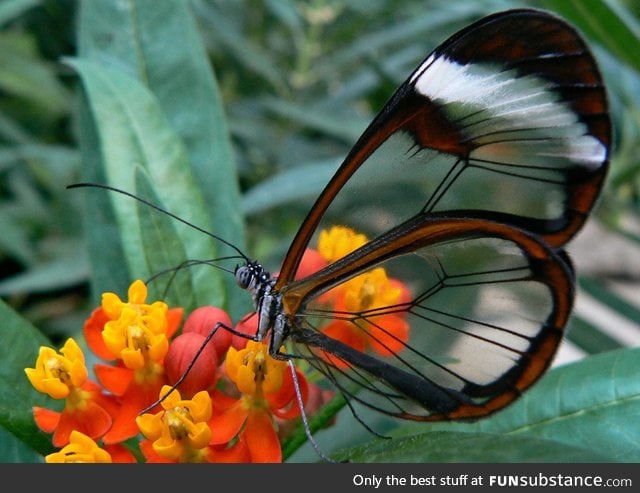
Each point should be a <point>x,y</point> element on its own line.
<point>483,164</point>
<point>508,117</point>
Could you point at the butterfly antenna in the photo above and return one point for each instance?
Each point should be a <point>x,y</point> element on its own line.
<point>303,415</point>
<point>173,271</point>
<point>159,209</point>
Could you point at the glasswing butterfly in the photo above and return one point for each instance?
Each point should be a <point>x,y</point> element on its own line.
<point>485,162</point>
<point>479,169</point>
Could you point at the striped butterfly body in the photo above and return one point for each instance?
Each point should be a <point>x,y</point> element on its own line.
<point>469,183</point>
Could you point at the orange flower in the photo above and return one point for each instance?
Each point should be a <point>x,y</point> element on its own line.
<point>138,337</point>
<point>385,333</point>
<point>181,432</point>
<point>81,448</point>
<point>137,334</point>
<point>64,376</point>
<point>267,391</point>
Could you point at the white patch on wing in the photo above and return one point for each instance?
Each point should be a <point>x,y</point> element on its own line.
<point>513,120</point>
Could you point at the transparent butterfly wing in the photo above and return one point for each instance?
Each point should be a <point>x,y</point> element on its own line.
<point>508,118</point>
<point>482,165</point>
<point>486,310</point>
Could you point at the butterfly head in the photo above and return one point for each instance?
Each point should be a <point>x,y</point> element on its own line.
<point>251,275</point>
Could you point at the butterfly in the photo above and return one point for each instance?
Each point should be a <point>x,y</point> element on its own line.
<point>484,163</point>
<point>468,184</point>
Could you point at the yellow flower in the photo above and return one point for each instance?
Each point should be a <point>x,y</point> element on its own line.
<point>267,393</point>
<point>81,448</point>
<point>180,432</point>
<point>253,370</point>
<point>136,332</point>
<point>369,291</point>
<point>58,374</point>
<point>335,243</point>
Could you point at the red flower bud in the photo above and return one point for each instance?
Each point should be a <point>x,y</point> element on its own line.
<point>182,351</point>
<point>202,321</point>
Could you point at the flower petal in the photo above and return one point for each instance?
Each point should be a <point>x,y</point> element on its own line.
<point>347,333</point>
<point>150,425</point>
<point>81,448</point>
<point>93,421</point>
<point>115,379</point>
<point>389,335</point>
<point>137,292</point>
<point>225,426</point>
<point>200,436</point>
<point>46,419</point>
<point>284,404</point>
<point>124,424</point>
<point>236,454</point>
<point>312,261</point>
<point>169,447</point>
<point>120,454</point>
<point>261,438</point>
<point>151,456</point>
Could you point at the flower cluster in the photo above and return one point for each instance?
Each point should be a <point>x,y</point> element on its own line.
<point>163,395</point>
<point>382,331</point>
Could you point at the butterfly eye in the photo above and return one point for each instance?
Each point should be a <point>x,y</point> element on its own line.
<point>244,276</point>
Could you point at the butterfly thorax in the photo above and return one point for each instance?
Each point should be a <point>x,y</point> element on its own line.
<point>267,302</point>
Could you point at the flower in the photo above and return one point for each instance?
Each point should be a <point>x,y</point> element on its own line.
<point>181,432</point>
<point>64,376</point>
<point>137,335</point>
<point>338,241</point>
<point>267,391</point>
<point>369,295</point>
<point>234,412</point>
<point>58,374</point>
<point>80,448</point>
<point>136,332</point>
<point>312,261</point>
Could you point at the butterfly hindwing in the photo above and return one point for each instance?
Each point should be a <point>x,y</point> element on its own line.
<point>487,310</point>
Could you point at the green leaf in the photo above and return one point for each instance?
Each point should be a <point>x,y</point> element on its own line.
<point>134,133</point>
<point>29,78</point>
<point>315,118</point>
<point>292,184</point>
<point>251,54</point>
<point>589,337</point>
<point>60,272</point>
<point>451,446</point>
<point>592,405</point>
<point>599,290</point>
<point>430,23</point>
<point>604,21</point>
<point>109,270</point>
<point>162,246</point>
<point>19,350</point>
<point>15,451</point>
<point>10,9</point>
<point>158,43</point>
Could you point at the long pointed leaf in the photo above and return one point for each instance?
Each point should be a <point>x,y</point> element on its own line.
<point>592,404</point>
<point>133,132</point>
<point>19,350</point>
